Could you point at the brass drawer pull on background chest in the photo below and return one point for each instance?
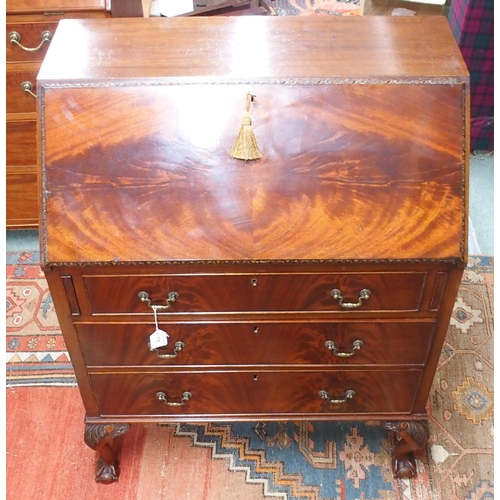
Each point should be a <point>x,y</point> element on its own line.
<point>28,88</point>
<point>163,397</point>
<point>349,394</point>
<point>178,346</point>
<point>363,295</point>
<point>356,346</point>
<point>15,38</point>
<point>171,297</point>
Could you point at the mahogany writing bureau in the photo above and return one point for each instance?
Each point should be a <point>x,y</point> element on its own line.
<point>315,282</point>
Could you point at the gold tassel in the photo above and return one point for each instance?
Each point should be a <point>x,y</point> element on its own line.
<point>245,147</point>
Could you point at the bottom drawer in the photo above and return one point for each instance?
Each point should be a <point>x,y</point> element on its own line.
<point>22,197</point>
<point>254,393</point>
<point>20,143</point>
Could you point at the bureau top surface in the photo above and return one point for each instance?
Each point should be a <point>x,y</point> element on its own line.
<point>252,47</point>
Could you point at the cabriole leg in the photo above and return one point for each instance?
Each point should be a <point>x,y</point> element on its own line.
<point>100,437</point>
<point>410,437</point>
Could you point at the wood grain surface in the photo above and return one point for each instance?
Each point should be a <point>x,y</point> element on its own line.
<point>223,292</point>
<point>258,343</point>
<point>348,171</point>
<point>253,47</point>
<point>255,392</point>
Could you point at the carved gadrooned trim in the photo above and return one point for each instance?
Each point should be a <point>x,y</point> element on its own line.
<point>465,147</point>
<point>167,81</point>
<point>451,261</point>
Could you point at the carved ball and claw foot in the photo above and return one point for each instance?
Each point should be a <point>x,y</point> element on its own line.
<point>410,436</point>
<point>100,437</point>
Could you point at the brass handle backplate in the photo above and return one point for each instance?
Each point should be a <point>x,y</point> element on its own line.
<point>349,394</point>
<point>28,87</point>
<point>178,346</point>
<point>161,396</point>
<point>15,38</point>
<point>171,297</point>
<point>363,295</point>
<point>356,346</point>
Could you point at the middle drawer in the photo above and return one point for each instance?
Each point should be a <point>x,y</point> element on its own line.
<point>19,100</point>
<point>375,342</point>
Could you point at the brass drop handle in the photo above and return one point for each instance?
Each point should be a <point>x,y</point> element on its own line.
<point>161,396</point>
<point>171,297</point>
<point>363,295</point>
<point>349,394</point>
<point>356,346</point>
<point>15,38</point>
<point>28,87</point>
<point>178,346</point>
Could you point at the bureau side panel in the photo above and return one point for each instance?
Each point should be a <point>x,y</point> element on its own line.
<point>443,323</point>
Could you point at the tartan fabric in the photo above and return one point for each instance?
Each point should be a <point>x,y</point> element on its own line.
<point>472,25</point>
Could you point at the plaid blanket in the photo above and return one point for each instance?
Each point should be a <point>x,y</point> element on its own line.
<point>472,25</point>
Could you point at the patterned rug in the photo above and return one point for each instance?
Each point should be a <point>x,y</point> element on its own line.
<point>304,460</point>
<point>315,7</point>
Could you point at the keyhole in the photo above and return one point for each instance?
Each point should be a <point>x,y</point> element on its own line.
<point>254,281</point>
<point>255,377</point>
<point>255,329</point>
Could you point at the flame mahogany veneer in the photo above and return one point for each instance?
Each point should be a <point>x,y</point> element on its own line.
<point>315,283</point>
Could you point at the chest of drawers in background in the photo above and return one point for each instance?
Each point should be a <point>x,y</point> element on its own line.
<point>30,27</point>
<point>316,282</point>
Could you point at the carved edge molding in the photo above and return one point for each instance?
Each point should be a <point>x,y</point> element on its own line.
<point>465,163</point>
<point>43,181</point>
<point>167,81</point>
<point>451,261</point>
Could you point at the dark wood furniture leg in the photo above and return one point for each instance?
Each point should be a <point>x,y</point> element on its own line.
<point>100,437</point>
<point>410,437</point>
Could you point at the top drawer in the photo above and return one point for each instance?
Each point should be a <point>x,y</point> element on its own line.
<point>33,33</point>
<point>32,6</point>
<point>321,292</point>
<point>28,41</point>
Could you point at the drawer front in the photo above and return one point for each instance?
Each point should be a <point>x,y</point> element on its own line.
<point>29,6</point>
<point>20,138</point>
<point>30,37</point>
<point>254,393</point>
<point>18,100</point>
<point>22,198</point>
<point>31,26</point>
<point>258,343</point>
<point>258,292</point>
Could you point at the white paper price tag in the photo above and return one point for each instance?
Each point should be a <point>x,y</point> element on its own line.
<point>158,338</point>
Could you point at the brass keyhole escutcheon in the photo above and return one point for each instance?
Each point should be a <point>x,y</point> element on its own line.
<point>254,281</point>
